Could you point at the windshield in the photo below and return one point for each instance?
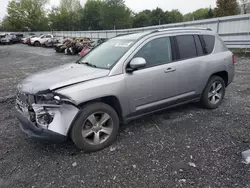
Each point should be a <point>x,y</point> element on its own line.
<point>107,54</point>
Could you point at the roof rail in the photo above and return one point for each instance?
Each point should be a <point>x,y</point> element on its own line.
<point>123,34</point>
<point>183,28</point>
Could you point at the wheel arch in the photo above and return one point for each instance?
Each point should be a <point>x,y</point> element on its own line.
<point>223,75</point>
<point>37,41</point>
<point>109,100</point>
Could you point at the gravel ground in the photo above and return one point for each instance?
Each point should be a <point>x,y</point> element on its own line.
<point>183,147</point>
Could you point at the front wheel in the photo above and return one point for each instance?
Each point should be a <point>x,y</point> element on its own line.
<point>96,127</point>
<point>213,93</point>
<point>37,44</point>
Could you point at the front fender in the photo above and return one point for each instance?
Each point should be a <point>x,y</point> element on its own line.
<point>98,88</point>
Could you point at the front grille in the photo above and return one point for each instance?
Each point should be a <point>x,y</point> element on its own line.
<point>25,99</point>
<point>22,98</point>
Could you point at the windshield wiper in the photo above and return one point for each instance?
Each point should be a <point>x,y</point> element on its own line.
<point>87,63</point>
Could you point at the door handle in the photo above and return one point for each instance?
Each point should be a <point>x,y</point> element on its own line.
<point>170,70</point>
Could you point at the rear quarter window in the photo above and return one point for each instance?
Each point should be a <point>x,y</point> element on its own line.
<point>198,45</point>
<point>209,43</point>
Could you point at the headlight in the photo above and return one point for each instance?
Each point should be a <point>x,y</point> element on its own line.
<point>49,98</point>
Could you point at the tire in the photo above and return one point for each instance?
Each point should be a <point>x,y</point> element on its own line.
<point>95,112</point>
<point>37,44</point>
<point>212,96</point>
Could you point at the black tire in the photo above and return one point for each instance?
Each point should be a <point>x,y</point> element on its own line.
<point>205,100</point>
<point>78,126</point>
<point>37,44</point>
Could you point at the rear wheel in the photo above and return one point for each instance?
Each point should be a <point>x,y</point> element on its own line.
<point>214,93</point>
<point>96,127</point>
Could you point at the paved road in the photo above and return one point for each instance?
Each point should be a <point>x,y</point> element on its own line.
<point>183,147</point>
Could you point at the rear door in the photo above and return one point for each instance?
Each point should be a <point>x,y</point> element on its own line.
<point>187,66</point>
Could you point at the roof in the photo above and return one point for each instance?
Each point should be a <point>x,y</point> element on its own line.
<point>136,36</point>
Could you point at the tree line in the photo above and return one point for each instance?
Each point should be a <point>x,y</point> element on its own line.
<point>69,15</point>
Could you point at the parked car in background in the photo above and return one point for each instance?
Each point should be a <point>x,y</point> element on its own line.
<point>17,37</point>
<point>12,36</point>
<point>91,46</point>
<point>29,40</point>
<point>51,42</point>
<point>80,46</point>
<point>122,79</point>
<point>26,38</point>
<point>38,41</point>
<point>6,39</point>
<point>63,44</point>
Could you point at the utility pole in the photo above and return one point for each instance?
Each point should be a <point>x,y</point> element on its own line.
<point>114,24</point>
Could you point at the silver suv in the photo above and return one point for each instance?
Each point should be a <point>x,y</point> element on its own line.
<point>124,78</point>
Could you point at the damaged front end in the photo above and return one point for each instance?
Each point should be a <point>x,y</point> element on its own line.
<point>46,114</point>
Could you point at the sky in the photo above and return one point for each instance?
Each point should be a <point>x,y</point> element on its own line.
<point>185,6</point>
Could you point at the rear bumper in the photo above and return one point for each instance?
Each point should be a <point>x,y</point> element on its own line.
<point>32,131</point>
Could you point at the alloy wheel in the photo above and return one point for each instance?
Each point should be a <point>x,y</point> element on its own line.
<point>97,128</point>
<point>215,92</point>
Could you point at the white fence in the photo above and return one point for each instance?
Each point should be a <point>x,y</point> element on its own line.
<point>234,30</point>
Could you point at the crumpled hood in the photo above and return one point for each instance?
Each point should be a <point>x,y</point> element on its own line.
<point>60,76</point>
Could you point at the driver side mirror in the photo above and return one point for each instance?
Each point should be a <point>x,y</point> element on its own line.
<point>136,63</point>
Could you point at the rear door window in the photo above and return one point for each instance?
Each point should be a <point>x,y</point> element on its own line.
<point>209,43</point>
<point>186,45</point>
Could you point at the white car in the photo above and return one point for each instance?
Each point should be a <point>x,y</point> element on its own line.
<point>38,41</point>
<point>6,39</point>
<point>26,39</point>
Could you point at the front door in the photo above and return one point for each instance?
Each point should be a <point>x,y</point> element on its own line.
<point>147,86</point>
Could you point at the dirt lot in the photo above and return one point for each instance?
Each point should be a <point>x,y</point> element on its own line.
<point>183,147</point>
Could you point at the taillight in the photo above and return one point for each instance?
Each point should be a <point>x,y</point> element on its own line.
<point>233,59</point>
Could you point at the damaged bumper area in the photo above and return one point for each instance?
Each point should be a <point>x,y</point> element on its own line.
<point>45,121</point>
